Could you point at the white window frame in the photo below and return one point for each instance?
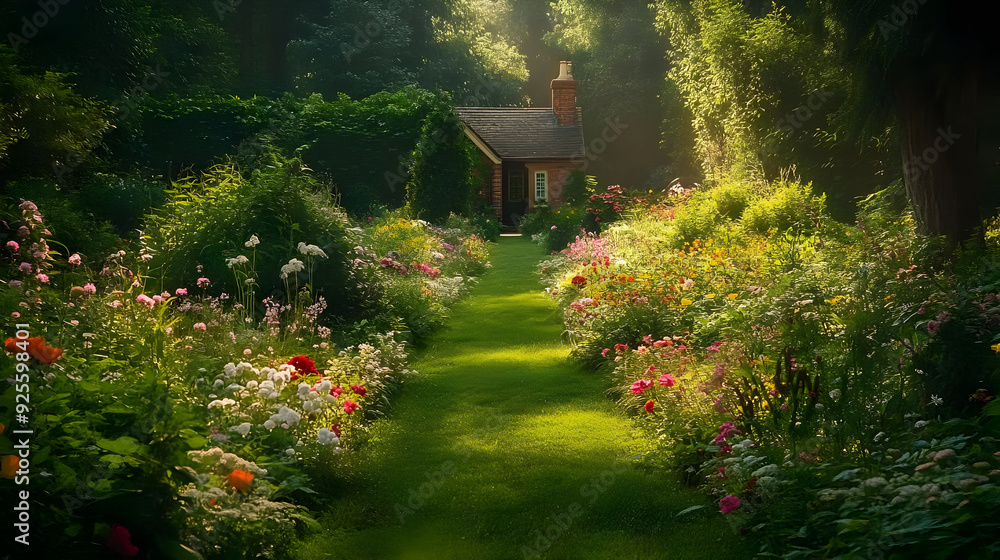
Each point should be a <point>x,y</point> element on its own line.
<point>541,188</point>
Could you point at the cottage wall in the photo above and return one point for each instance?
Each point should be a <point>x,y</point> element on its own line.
<point>558,173</point>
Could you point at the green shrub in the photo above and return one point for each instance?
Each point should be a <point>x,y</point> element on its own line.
<point>442,170</point>
<point>791,205</point>
<point>211,216</point>
<point>731,200</point>
<point>696,219</point>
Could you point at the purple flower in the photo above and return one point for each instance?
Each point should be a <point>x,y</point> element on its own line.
<point>25,267</point>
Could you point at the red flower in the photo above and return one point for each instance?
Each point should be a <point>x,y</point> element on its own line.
<point>336,391</point>
<point>725,431</point>
<point>36,348</point>
<point>359,390</point>
<point>640,385</point>
<point>649,406</point>
<point>303,365</point>
<point>118,541</point>
<point>578,280</point>
<point>8,466</point>
<point>335,429</point>
<point>240,480</point>
<point>350,406</point>
<point>667,380</point>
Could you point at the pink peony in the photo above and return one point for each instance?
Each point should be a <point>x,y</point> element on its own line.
<point>75,260</point>
<point>725,431</point>
<point>729,503</point>
<point>181,291</point>
<point>146,300</point>
<point>667,380</point>
<point>89,289</point>
<point>13,246</point>
<point>200,326</point>
<point>650,370</point>
<point>43,278</point>
<point>640,385</point>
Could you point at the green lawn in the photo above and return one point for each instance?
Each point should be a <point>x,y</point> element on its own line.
<point>501,446</point>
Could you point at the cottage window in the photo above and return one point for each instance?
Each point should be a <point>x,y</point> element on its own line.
<point>541,186</point>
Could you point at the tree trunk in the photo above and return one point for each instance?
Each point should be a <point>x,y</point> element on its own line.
<point>937,126</point>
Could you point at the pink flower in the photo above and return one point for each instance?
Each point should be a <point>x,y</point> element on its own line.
<point>336,391</point>
<point>933,326</point>
<point>729,503</point>
<point>43,278</point>
<point>725,430</point>
<point>13,246</point>
<point>359,390</point>
<point>181,291</point>
<point>640,385</point>
<point>74,259</point>
<point>650,370</point>
<point>553,228</point>
<point>200,326</point>
<point>23,231</point>
<point>118,541</point>
<point>247,351</point>
<point>89,289</point>
<point>146,300</point>
<point>27,206</point>
<point>604,353</point>
<point>25,267</point>
<point>203,282</point>
<point>165,295</point>
<point>667,380</point>
<point>350,406</point>
<point>157,299</point>
<point>15,315</point>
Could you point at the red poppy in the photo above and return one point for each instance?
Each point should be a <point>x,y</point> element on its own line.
<point>118,541</point>
<point>240,480</point>
<point>359,390</point>
<point>303,365</point>
<point>649,406</point>
<point>36,348</point>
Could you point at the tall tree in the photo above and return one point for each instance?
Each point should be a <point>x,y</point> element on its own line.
<point>922,63</point>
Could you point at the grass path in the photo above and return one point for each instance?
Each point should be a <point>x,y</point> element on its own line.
<point>501,447</point>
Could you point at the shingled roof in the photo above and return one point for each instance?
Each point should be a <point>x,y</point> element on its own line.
<point>522,134</point>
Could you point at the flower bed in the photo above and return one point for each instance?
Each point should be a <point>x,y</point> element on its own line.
<point>783,359</point>
<point>179,418</point>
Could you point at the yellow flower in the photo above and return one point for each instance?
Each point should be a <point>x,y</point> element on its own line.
<point>731,297</point>
<point>685,302</point>
<point>709,296</point>
<point>996,348</point>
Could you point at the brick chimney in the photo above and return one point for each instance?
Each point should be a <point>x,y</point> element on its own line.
<point>564,95</point>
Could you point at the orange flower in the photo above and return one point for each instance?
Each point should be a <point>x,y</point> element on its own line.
<point>240,480</point>
<point>36,348</point>
<point>8,466</point>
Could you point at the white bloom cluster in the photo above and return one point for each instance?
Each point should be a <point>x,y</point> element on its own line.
<point>227,461</point>
<point>293,266</point>
<point>239,259</point>
<point>285,418</point>
<point>311,250</point>
<point>243,428</point>
<point>253,242</point>
<point>327,437</point>
<point>221,402</point>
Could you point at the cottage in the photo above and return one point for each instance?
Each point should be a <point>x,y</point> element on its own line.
<point>531,150</point>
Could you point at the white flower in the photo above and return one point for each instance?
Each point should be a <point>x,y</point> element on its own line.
<point>311,250</point>
<point>304,389</point>
<point>936,400</point>
<point>293,266</point>
<point>230,369</point>
<point>835,394</point>
<point>688,284</point>
<point>920,424</point>
<point>253,241</point>
<point>239,259</point>
<point>327,437</point>
<point>879,436</point>
<point>243,428</point>
<point>223,402</point>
